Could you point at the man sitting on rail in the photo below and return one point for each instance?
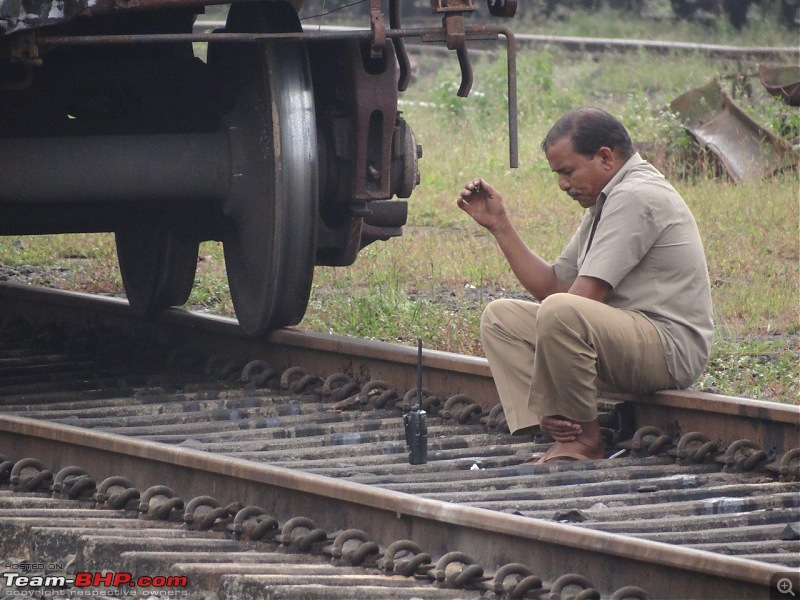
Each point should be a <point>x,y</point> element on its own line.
<point>628,302</point>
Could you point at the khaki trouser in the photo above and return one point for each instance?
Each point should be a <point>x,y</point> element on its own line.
<point>546,358</point>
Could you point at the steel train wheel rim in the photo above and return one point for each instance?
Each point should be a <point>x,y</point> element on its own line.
<point>270,250</point>
<point>157,267</point>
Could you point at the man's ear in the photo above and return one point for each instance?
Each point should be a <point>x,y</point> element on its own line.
<point>607,157</point>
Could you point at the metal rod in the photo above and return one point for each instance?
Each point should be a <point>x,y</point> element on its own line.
<point>400,48</point>
<point>513,129</point>
<point>434,33</point>
<point>466,71</point>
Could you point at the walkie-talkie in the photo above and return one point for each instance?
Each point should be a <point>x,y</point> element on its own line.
<point>416,421</point>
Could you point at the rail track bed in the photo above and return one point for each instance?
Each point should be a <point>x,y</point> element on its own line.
<point>700,500</point>
<point>154,556</point>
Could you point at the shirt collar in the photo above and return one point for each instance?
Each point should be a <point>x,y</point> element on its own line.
<point>629,165</point>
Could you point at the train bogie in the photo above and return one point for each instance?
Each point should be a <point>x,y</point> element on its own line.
<point>286,146</point>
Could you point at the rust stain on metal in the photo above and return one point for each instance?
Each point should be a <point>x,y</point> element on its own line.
<point>745,149</point>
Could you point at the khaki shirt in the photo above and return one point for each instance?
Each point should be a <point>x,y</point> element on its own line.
<point>647,247</point>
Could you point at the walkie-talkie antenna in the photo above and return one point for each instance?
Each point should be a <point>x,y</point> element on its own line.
<point>416,421</point>
<point>419,374</point>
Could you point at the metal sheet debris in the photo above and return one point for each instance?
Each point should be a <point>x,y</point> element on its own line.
<point>782,81</point>
<point>744,148</point>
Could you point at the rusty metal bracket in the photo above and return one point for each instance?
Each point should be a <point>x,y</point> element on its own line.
<point>451,6</point>
<point>454,28</point>
<point>456,36</point>
<point>378,28</point>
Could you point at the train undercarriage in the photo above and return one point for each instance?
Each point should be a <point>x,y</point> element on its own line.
<point>285,146</point>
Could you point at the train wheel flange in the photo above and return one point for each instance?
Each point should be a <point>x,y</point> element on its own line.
<point>272,205</point>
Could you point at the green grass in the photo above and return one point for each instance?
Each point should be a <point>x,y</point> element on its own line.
<point>434,281</point>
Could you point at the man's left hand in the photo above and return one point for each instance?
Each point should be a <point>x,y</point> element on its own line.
<point>560,429</point>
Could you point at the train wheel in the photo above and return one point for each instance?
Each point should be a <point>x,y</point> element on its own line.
<point>270,248</point>
<point>157,267</point>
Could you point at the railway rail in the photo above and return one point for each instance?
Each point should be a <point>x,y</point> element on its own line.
<point>701,499</point>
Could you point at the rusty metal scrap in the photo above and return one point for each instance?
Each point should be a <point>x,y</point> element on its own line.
<point>745,149</point>
<point>782,81</point>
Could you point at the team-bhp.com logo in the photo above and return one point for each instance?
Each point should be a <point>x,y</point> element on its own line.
<point>111,583</point>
